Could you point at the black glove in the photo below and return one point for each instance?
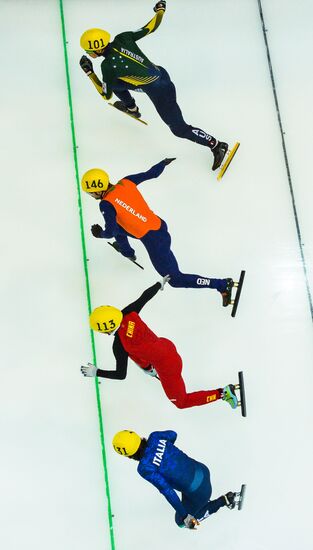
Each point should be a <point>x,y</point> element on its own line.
<point>160,6</point>
<point>168,161</point>
<point>96,230</point>
<point>86,65</point>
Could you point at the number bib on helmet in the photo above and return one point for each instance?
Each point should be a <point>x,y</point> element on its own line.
<point>132,212</point>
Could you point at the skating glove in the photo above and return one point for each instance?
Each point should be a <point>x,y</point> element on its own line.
<point>160,6</point>
<point>165,280</point>
<point>191,522</point>
<point>89,370</point>
<point>86,65</point>
<point>168,161</point>
<point>96,230</point>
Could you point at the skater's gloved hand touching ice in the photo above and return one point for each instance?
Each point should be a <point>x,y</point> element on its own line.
<point>160,6</point>
<point>96,230</point>
<point>89,370</point>
<point>168,161</point>
<point>86,65</point>
<point>165,280</point>
<point>191,522</point>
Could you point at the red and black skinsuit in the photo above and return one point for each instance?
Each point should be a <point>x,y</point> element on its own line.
<point>134,339</point>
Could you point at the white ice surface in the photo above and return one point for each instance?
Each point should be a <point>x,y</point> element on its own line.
<point>51,477</point>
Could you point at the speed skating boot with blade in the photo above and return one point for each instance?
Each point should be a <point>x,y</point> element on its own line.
<point>219,152</point>
<point>229,396</point>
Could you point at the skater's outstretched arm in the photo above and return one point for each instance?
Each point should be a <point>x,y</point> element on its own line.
<point>111,226</point>
<point>121,357</point>
<point>102,88</point>
<point>142,300</point>
<point>154,172</point>
<point>153,24</point>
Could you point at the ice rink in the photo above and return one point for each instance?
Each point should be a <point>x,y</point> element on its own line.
<point>54,490</point>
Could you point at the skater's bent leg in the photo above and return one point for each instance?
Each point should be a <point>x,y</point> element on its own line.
<point>127,99</point>
<point>194,399</point>
<point>198,494</point>
<point>175,389</point>
<point>189,280</point>
<point>198,502</point>
<point>209,508</point>
<point>163,96</point>
<point>158,246</point>
<point>125,248</point>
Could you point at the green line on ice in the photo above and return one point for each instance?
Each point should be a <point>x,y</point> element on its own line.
<point>83,242</point>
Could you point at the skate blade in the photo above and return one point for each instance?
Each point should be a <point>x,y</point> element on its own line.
<point>241,496</point>
<point>238,286</point>
<point>132,261</point>
<point>227,162</point>
<point>128,114</point>
<point>241,387</point>
<point>136,263</point>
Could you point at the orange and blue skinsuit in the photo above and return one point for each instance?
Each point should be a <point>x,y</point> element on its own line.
<point>127,214</point>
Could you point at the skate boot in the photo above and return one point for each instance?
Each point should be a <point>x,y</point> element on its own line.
<point>219,152</point>
<point>117,247</point>
<point>229,396</point>
<point>226,294</point>
<point>230,500</point>
<point>133,111</point>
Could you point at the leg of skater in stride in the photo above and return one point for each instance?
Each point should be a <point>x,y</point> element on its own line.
<point>168,365</point>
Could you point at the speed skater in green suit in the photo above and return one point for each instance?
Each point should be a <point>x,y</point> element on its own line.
<point>125,67</point>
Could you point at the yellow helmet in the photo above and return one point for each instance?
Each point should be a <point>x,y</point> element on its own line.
<point>94,40</point>
<point>95,181</point>
<point>126,443</point>
<point>105,318</point>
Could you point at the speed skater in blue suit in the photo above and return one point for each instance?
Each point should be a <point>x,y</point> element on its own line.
<point>170,470</point>
<point>127,214</point>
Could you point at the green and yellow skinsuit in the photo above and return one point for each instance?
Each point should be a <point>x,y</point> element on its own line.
<point>125,66</point>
